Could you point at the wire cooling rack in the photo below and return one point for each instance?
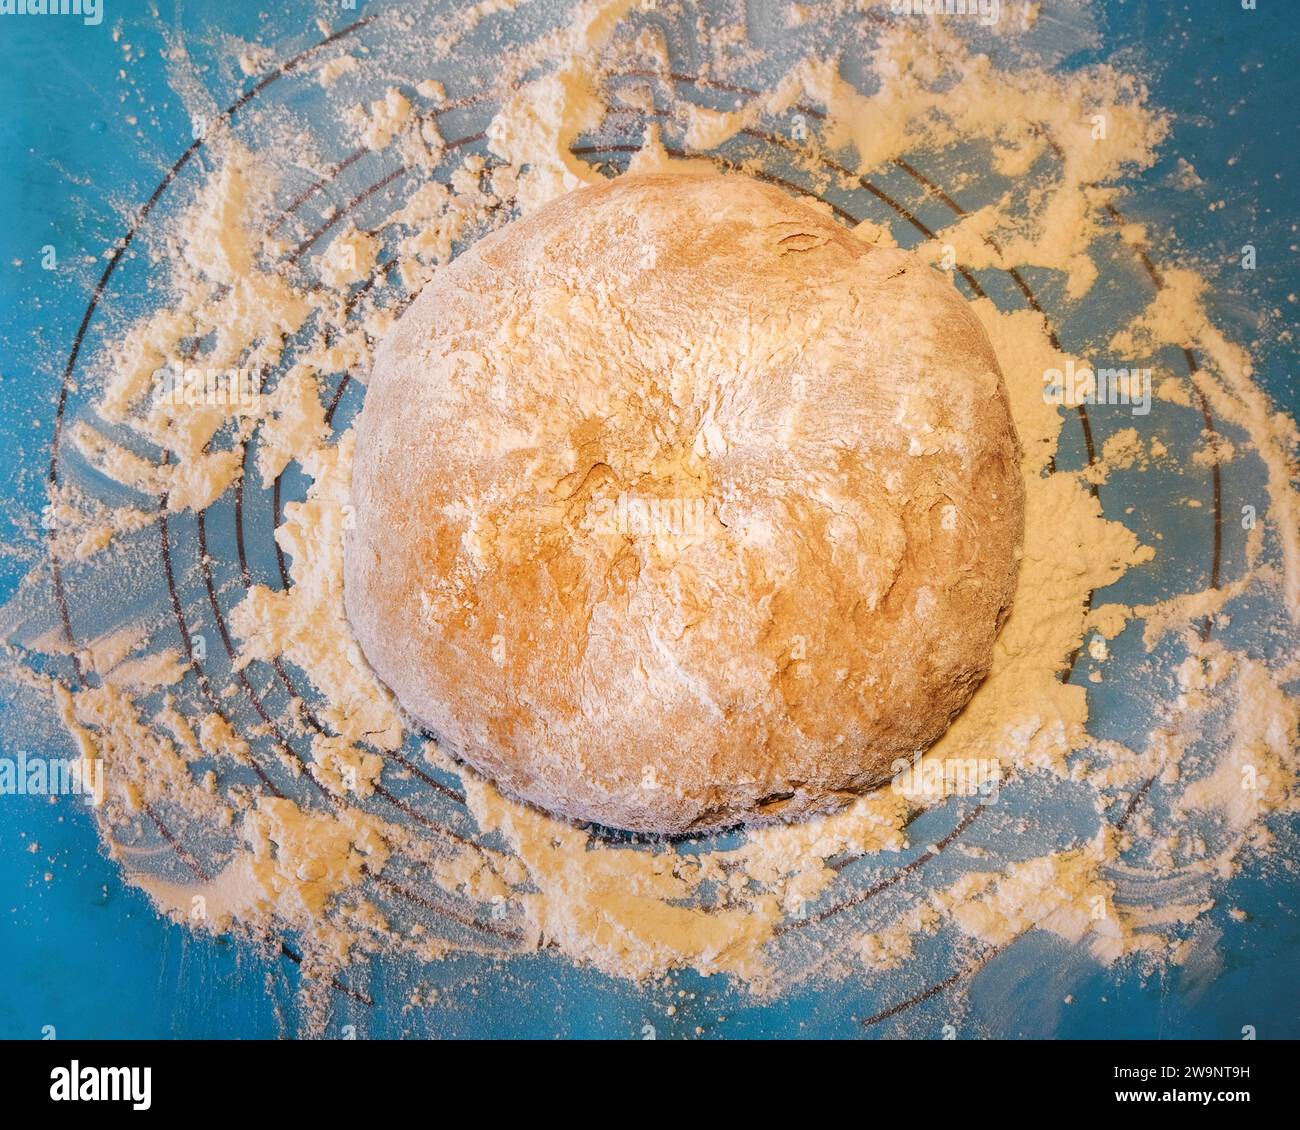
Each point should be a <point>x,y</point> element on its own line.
<point>202,565</point>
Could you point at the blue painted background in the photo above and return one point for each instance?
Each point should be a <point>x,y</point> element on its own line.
<point>85,954</point>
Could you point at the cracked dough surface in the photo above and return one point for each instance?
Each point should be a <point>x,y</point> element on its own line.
<point>678,506</point>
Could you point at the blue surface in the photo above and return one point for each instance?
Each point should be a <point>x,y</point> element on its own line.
<point>87,955</point>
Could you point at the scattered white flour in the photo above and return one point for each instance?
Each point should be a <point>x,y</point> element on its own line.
<point>321,862</point>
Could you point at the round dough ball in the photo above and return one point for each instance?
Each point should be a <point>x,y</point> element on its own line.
<point>678,506</point>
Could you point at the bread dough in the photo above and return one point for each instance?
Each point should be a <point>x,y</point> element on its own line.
<point>678,506</point>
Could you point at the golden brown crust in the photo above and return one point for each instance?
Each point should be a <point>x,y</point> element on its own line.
<point>678,506</point>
